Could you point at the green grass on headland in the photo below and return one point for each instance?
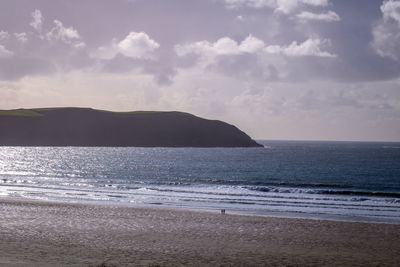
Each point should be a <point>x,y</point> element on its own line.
<point>37,112</point>
<point>132,112</point>
<point>41,111</point>
<point>20,112</point>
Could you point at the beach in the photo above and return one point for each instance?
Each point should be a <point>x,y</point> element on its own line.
<point>40,233</point>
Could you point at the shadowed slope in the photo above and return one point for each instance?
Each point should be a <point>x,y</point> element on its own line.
<point>90,127</point>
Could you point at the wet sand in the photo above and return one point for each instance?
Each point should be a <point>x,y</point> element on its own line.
<point>35,233</point>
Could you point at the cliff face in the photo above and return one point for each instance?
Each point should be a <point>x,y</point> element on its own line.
<point>89,127</point>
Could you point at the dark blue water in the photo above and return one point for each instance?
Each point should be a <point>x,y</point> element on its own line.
<point>334,180</point>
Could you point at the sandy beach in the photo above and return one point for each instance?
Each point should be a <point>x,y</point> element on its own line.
<point>36,233</point>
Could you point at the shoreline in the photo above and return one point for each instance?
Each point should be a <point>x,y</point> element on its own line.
<point>45,233</point>
<point>267,214</point>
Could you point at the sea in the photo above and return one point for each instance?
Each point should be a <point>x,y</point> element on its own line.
<point>348,181</point>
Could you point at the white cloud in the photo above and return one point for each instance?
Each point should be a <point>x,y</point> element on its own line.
<point>192,48</point>
<point>391,10</point>
<point>310,47</point>
<point>227,46</point>
<point>386,32</point>
<point>37,20</point>
<point>288,6</point>
<point>386,40</point>
<point>315,2</point>
<point>135,45</point>
<point>273,49</point>
<point>68,35</point>
<point>4,35</point>
<point>328,17</point>
<point>4,52</point>
<point>251,45</point>
<point>80,45</point>
<point>223,46</point>
<point>21,37</point>
<point>105,52</point>
<point>250,3</point>
<point>59,32</point>
<point>284,6</point>
<point>138,45</point>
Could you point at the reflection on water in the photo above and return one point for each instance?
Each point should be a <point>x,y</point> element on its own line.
<point>357,181</point>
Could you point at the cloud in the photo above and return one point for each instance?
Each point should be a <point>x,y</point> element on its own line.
<point>310,47</point>
<point>386,32</point>
<point>137,51</point>
<point>43,52</point>
<point>67,35</point>
<point>79,45</point>
<point>288,6</point>
<point>4,53</point>
<point>328,17</point>
<point>105,52</point>
<point>386,39</point>
<point>138,45</point>
<point>37,20</point>
<point>59,32</point>
<point>315,2</point>
<point>21,37</point>
<point>251,45</point>
<point>250,3</point>
<point>14,67</point>
<point>391,10</point>
<point>253,60</point>
<point>4,35</point>
<point>267,84</point>
<point>283,6</point>
<point>223,46</point>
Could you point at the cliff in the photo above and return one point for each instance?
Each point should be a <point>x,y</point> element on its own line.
<point>90,127</point>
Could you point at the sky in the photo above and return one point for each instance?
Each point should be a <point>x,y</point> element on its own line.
<point>276,69</point>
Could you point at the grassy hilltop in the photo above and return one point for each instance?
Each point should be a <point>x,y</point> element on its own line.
<point>90,127</point>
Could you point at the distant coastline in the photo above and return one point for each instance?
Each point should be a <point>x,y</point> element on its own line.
<point>91,127</point>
